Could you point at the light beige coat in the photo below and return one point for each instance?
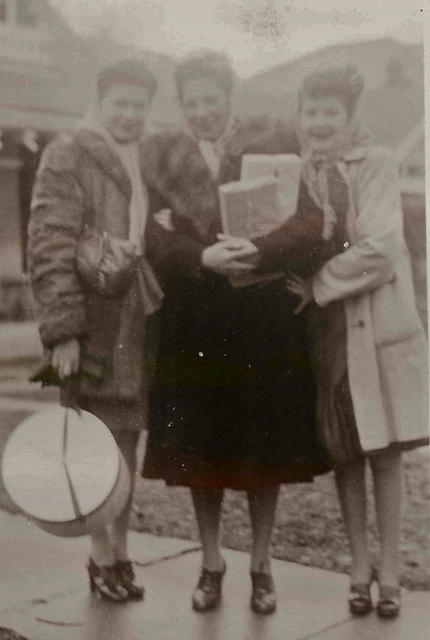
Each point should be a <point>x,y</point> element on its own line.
<point>386,344</point>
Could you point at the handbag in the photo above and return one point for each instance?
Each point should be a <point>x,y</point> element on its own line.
<point>105,264</point>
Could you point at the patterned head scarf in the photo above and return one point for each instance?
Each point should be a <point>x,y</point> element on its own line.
<point>347,84</point>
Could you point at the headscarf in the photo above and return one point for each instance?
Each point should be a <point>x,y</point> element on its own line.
<point>317,166</point>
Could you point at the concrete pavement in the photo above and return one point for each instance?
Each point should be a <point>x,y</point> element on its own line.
<point>44,592</point>
<point>44,596</point>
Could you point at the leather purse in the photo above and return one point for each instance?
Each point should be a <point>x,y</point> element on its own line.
<point>105,264</point>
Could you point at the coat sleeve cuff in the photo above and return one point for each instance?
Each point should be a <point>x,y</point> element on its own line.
<point>320,292</point>
<point>73,324</point>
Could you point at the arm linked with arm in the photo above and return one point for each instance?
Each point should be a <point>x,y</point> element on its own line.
<point>369,262</point>
<point>298,244</point>
<point>170,252</point>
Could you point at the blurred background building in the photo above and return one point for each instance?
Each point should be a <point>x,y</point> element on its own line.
<point>42,91</point>
<point>47,72</point>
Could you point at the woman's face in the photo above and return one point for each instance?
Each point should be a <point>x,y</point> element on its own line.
<point>123,109</point>
<point>206,107</point>
<point>323,120</point>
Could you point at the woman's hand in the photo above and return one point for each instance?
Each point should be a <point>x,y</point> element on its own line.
<point>249,250</point>
<point>302,288</point>
<point>164,219</point>
<point>65,358</point>
<point>227,257</point>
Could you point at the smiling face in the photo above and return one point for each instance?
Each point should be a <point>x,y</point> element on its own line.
<point>123,109</point>
<point>323,121</point>
<point>206,107</point>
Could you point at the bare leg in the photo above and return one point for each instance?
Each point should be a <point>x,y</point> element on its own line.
<point>352,496</point>
<point>101,548</point>
<point>387,474</point>
<point>262,506</point>
<point>207,505</point>
<point>126,441</point>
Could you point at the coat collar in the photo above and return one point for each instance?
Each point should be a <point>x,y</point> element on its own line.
<point>245,132</point>
<point>107,160</point>
<point>197,164</point>
<point>356,153</point>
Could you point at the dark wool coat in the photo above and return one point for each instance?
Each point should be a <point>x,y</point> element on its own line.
<point>81,181</point>
<point>179,179</point>
<point>233,396</point>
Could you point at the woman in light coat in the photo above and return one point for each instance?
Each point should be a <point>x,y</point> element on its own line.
<point>367,341</point>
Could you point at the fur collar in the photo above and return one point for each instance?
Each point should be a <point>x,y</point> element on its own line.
<point>94,144</point>
<point>175,168</point>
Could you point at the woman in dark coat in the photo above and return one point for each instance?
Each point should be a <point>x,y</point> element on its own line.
<point>233,399</point>
<point>93,178</point>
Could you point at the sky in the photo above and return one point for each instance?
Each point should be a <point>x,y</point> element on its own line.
<point>256,33</point>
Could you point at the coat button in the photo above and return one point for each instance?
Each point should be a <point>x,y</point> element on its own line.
<point>360,324</point>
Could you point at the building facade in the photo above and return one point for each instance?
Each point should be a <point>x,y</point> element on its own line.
<point>43,90</point>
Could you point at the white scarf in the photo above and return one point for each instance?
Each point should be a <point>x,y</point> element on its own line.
<point>130,159</point>
<point>213,151</point>
<point>212,155</point>
<point>151,292</point>
<point>138,208</point>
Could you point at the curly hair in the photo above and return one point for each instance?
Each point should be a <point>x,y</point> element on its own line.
<point>129,71</point>
<point>205,64</point>
<point>345,83</point>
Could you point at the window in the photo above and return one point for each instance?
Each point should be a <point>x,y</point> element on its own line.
<point>26,13</point>
<point>3,10</point>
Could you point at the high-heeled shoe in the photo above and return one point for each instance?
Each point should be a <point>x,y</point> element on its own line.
<point>263,596</point>
<point>207,593</point>
<point>360,600</point>
<point>389,603</point>
<point>127,579</point>
<point>104,582</point>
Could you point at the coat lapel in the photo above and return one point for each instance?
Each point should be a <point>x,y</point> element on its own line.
<point>106,159</point>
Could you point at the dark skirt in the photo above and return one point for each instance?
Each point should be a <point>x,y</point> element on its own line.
<point>337,431</point>
<point>336,426</point>
<point>233,401</point>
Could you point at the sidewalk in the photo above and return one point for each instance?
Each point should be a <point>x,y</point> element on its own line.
<point>44,592</point>
<point>44,596</point>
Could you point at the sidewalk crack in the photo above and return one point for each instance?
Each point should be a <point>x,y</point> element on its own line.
<point>149,563</point>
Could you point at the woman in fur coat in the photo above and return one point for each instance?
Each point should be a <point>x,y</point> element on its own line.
<point>93,178</point>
